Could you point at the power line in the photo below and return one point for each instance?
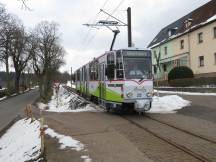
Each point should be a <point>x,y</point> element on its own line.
<point>121,2</point>
<point>104,3</point>
<point>93,36</point>
<point>86,38</point>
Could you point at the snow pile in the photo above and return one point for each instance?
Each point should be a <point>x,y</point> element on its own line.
<point>86,158</point>
<point>68,142</point>
<point>64,101</point>
<point>168,104</point>
<point>71,85</point>
<point>42,106</point>
<point>3,98</point>
<point>187,93</point>
<point>65,141</point>
<point>21,142</point>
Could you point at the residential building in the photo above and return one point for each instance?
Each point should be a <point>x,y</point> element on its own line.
<point>189,41</point>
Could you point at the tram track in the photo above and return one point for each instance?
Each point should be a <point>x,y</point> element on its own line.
<point>181,129</point>
<point>197,154</point>
<point>171,142</point>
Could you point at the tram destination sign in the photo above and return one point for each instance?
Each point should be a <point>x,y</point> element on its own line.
<point>136,53</point>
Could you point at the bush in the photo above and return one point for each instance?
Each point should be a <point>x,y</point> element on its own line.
<point>180,73</point>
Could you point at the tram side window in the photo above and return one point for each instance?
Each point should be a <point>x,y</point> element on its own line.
<point>81,74</point>
<point>78,75</point>
<point>93,71</point>
<point>110,70</point>
<point>75,75</point>
<point>85,74</point>
<point>119,66</point>
<point>96,71</point>
<point>90,71</point>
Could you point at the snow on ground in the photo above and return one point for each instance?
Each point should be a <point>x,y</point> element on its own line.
<point>68,142</point>
<point>21,142</point>
<point>187,93</point>
<point>86,158</point>
<point>3,98</point>
<point>2,89</point>
<point>64,101</point>
<point>42,106</point>
<point>70,85</point>
<point>168,104</point>
<point>65,141</point>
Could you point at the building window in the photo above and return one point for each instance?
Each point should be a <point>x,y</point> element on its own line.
<point>201,61</point>
<point>155,69</point>
<point>214,32</point>
<point>182,44</point>
<point>178,63</point>
<point>165,50</point>
<point>200,37</point>
<point>155,55</point>
<point>165,67</point>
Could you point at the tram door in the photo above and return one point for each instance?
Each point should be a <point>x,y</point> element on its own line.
<point>102,81</point>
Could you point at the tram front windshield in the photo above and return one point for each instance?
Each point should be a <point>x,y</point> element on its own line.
<point>137,64</point>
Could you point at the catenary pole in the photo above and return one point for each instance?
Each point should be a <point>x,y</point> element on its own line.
<point>129,27</point>
<point>71,77</point>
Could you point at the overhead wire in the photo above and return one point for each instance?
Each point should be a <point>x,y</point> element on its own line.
<point>121,2</point>
<point>87,39</point>
<point>90,39</point>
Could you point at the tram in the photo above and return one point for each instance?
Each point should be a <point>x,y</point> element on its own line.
<point>118,79</point>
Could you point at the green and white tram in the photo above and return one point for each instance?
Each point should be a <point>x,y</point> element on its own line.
<point>118,79</point>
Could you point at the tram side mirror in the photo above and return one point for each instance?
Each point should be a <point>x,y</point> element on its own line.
<point>110,71</point>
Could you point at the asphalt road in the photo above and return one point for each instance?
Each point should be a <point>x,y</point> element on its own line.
<point>109,137</point>
<point>202,107</point>
<point>11,107</point>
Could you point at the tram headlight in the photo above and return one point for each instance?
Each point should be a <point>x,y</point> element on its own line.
<point>129,95</point>
<point>149,94</point>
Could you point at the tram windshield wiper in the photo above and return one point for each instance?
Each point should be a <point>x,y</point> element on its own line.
<point>143,77</point>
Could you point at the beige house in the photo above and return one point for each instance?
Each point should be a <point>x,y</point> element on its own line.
<point>189,41</point>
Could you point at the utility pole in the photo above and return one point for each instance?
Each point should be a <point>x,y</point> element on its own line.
<point>117,23</point>
<point>71,76</point>
<point>129,27</point>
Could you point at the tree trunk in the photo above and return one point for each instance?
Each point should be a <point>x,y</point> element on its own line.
<point>7,75</point>
<point>17,81</point>
<point>45,87</point>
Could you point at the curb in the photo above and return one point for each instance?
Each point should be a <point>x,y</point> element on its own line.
<point>7,126</point>
<point>15,95</point>
<point>187,89</point>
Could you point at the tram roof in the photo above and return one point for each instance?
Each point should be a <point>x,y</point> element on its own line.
<point>128,48</point>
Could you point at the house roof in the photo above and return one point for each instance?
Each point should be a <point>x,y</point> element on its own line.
<point>199,17</point>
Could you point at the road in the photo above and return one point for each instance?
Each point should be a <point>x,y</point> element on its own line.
<point>188,135</point>
<point>13,106</point>
<point>202,107</point>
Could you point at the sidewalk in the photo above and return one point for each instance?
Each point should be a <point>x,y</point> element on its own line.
<point>188,89</point>
<point>97,131</point>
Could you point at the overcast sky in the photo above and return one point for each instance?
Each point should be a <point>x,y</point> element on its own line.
<point>83,43</point>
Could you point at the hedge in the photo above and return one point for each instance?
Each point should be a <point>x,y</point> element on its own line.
<point>188,82</point>
<point>180,73</point>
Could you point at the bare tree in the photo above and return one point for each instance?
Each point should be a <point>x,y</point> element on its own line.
<point>24,4</point>
<point>7,24</point>
<point>19,51</point>
<point>48,56</point>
